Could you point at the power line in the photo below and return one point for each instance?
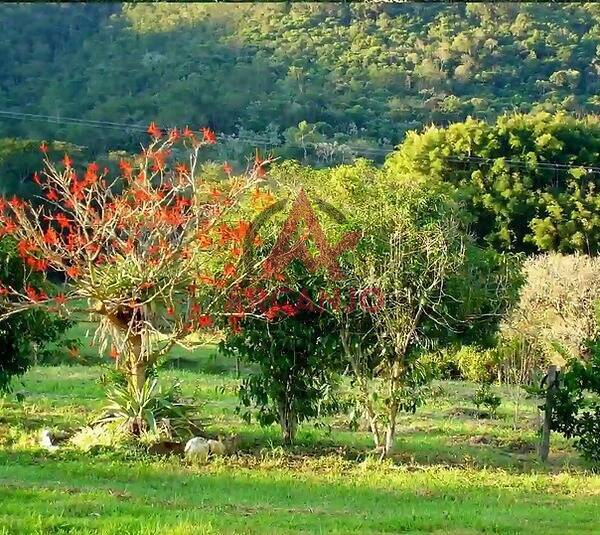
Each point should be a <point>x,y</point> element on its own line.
<point>364,151</point>
<point>126,127</point>
<point>523,163</point>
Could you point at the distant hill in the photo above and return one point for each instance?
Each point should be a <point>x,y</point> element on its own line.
<point>362,74</point>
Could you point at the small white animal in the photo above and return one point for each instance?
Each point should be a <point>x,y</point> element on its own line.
<point>197,449</point>
<point>216,447</point>
<point>46,440</point>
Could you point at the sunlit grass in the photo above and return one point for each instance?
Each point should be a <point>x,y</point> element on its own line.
<point>451,473</point>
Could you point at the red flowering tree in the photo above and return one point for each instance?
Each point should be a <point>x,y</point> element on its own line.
<point>151,251</point>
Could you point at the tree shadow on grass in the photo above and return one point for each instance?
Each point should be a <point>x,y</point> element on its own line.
<point>417,449</point>
<point>56,401</point>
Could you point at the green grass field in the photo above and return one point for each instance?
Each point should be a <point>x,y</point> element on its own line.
<point>452,473</point>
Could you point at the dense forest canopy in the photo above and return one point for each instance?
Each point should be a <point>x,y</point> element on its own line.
<point>297,73</point>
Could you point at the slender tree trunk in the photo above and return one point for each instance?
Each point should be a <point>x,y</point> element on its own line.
<point>363,388</point>
<point>390,432</point>
<point>372,418</point>
<point>288,421</point>
<point>138,376</point>
<point>544,448</point>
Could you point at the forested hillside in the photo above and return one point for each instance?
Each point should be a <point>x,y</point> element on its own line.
<point>300,74</point>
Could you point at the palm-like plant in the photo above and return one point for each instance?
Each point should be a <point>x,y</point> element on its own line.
<point>151,409</point>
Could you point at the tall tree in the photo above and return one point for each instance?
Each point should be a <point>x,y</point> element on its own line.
<point>528,181</point>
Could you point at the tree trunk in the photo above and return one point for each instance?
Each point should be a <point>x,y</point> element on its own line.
<point>135,362</point>
<point>363,387</point>
<point>138,376</point>
<point>138,363</point>
<point>390,435</point>
<point>369,411</point>
<point>390,432</point>
<point>289,423</point>
<point>544,448</point>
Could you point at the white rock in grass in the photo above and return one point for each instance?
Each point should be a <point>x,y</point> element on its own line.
<point>216,447</point>
<point>197,449</point>
<point>46,440</point>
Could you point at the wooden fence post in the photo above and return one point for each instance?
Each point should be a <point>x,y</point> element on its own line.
<point>551,385</point>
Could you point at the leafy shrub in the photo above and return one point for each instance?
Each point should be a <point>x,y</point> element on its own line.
<point>484,396</point>
<point>26,336</point>
<point>296,366</point>
<point>151,409</point>
<point>476,364</point>
<point>443,363</point>
<point>575,404</point>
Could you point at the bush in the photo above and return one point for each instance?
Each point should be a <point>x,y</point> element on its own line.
<point>476,364</point>
<point>575,405</point>
<point>484,396</point>
<point>443,364</point>
<point>151,410</point>
<point>27,336</point>
<point>557,308</point>
<point>296,365</point>
<point>519,361</point>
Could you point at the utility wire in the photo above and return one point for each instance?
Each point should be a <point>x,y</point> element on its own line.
<point>128,128</point>
<point>364,151</point>
<point>524,163</point>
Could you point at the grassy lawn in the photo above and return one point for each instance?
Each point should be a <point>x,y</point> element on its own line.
<point>452,473</point>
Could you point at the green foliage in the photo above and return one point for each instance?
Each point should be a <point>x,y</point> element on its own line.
<point>20,158</point>
<point>297,361</point>
<point>476,364</point>
<point>478,295</point>
<point>575,405</point>
<point>27,336</point>
<point>161,412</point>
<point>438,287</point>
<point>484,396</point>
<point>362,73</point>
<point>521,207</point>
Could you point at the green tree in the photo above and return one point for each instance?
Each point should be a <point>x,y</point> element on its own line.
<point>20,159</point>
<point>575,404</point>
<point>438,289</point>
<point>225,65</point>
<point>420,280</point>
<point>28,335</point>
<point>505,175</point>
<point>297,363</point>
